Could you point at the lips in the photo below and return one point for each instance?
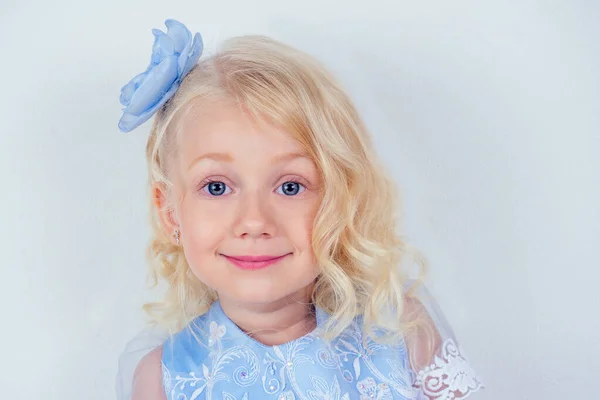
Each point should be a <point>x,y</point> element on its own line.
<point>254,262</point>
<point>254,258</point>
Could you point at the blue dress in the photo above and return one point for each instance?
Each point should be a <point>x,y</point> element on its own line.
<point>212,358</point>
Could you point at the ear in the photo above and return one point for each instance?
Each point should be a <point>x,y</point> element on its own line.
<point>164,209</point>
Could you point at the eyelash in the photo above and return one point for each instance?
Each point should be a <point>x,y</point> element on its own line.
<point>204,184</point>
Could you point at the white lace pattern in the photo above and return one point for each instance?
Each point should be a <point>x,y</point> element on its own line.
<point>449,376</point>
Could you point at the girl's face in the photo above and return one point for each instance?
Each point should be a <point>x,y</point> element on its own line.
<point>247,191</point>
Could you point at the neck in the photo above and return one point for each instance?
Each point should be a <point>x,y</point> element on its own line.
<point>273,323</point>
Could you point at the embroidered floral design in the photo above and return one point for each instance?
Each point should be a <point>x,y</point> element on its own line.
<point>324,391</point>
<point>244,375</point>
<point>216,333</point>
<point>350,346</point>
<point>197,385</point>
<point>284,365</point>
<point>449,376</point>
<point>370,390</point>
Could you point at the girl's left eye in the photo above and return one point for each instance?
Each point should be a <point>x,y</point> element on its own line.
<point>291,188</point>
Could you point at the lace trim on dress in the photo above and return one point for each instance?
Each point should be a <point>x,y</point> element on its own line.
<point>449,376</point>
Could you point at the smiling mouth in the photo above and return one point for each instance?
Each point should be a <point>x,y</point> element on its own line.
<point>254,262</point>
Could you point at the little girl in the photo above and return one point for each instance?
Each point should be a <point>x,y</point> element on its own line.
<point>274,231</point>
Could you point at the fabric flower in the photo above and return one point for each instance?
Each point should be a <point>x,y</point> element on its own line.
<point>216,333</point>
<point>173,55</point>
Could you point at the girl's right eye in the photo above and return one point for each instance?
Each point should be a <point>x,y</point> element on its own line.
<point>216,188</point>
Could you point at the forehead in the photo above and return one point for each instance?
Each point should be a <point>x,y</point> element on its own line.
<point>222,127</point>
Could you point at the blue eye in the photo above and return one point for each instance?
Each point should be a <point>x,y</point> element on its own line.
<point>216,188</point>
<point>290,188</point>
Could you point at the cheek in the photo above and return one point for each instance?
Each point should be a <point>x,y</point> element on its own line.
<point>204,231</point>
<point>297,222</point>
<point>203,227</point>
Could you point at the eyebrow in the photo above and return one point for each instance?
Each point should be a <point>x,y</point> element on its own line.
<point>226,157</point>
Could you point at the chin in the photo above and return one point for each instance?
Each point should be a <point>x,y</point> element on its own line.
<point>262,292</point>
<point>257,295</point>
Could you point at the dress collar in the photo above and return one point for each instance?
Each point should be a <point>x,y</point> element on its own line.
<point>222,327</point>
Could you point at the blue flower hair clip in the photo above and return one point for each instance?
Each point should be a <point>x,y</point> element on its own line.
<point>173,55</point>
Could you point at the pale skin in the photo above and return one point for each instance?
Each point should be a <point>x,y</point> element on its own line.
<point>263,201</point>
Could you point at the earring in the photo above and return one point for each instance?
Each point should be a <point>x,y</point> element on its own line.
<point>176,236</point>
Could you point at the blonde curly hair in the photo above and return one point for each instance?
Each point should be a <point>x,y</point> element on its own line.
<point>363,260</point>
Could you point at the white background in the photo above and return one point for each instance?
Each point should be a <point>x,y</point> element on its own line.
<point>487,113</point>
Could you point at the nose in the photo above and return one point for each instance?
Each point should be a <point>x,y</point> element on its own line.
<point>255,217</point>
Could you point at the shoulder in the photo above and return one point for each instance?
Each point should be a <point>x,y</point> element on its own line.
<point>150,363</point>
<point>422,337</point>
<point>147,378</point>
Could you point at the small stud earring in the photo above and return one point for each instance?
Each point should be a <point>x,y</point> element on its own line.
<point>176,236</point>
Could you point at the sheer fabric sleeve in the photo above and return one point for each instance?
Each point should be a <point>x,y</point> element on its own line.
<point>441,369</point>
<point>139,374</point>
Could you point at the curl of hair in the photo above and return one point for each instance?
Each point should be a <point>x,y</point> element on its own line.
<point>363,261</point>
